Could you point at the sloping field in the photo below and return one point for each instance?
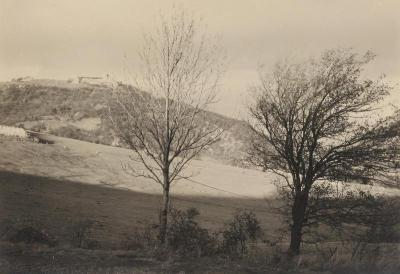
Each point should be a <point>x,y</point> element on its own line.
<point>60,185</point>
<point>69,159</point>
<point>77,180</point>
<point>98,164</point>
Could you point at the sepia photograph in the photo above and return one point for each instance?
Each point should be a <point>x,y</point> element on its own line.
<point>184,136</point>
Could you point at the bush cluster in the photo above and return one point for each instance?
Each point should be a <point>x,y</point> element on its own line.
<point>187,237</point>
<point>243,229</point>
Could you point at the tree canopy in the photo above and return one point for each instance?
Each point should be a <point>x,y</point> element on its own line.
<point>312,122</point>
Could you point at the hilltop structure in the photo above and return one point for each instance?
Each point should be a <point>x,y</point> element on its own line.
<point>94,79</point>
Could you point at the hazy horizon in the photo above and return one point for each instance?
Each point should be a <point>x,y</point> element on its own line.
<point>64,39</point>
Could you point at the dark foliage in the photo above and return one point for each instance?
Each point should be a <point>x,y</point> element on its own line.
<point>187,237</point>
<point>240,231</point>
<point>81,234</point>
<point>336,209</point>
<point>31,235</point>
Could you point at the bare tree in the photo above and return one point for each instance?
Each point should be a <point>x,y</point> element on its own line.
<point>163,119</point>
<point>311,124</point>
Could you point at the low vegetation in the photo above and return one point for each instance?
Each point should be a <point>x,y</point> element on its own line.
<point>239,246</point>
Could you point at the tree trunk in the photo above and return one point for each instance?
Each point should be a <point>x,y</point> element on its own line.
<point>164,213</point>
<point>298,216</point>
<point>164,210</point>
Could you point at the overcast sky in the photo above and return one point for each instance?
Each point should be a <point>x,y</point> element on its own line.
<point>63,39</point>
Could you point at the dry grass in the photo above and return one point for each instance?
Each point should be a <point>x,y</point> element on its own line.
<point>58,206</point>
<point>351,257</point>
<point>98,164</point>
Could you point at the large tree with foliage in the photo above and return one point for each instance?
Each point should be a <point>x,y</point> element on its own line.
<point>312,123</point>
<point>163,119</point>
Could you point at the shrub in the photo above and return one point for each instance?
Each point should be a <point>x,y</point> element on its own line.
<point>39,127</point>
<point>187,237</point>
<point>81,234</point>
<point>143,239</point>
<point>74,133</point>
<point>31,235</point>
<point>25,230</point>
<point>244,227</point>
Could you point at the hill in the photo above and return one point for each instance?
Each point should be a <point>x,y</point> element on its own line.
<point>77,110</point>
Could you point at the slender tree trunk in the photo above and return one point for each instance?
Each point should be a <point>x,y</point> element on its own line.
<point>298,216</point>
<point>164,210</point>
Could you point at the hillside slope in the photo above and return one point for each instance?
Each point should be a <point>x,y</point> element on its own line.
<point>77,110</point>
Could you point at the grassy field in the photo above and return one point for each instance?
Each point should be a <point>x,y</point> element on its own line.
<point>61,208</point>
<point>99,164</point>
<point>73,187</point>
<point>58,206</point>
<point>73,177</point>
